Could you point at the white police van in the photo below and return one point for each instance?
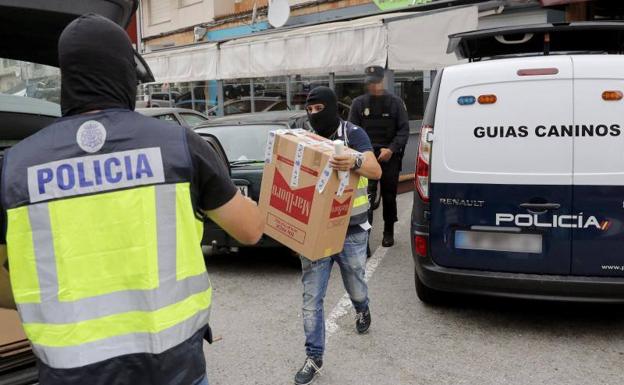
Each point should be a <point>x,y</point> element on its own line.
<point>520,168</point>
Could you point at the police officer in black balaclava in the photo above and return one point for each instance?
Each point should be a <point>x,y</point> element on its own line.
<point>96,75</point>
<point>326,121</point>
<point>384,117</point>
<point>322,108</point>
<point>114,198</point>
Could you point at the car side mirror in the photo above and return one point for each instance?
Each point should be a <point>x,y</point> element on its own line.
<point>144,73</point>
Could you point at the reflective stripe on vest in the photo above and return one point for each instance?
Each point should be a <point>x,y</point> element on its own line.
<point>359,213</point>
<point>100,276</point>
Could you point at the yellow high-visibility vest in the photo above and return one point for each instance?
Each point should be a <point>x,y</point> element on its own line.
<point>105,256</point>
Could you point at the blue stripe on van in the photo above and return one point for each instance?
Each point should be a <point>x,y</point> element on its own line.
<point>451,211</point>
<point>595,247</point>
<point>599,253</point>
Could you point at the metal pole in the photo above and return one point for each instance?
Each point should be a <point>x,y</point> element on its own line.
<point>428,77</point>
<point>193,96</point>
<point>169,93</point>
<point>220,97</point>
<point>288,93</point>
<point>389,81</point>
<point>252,95</point>
<point>332,81</point>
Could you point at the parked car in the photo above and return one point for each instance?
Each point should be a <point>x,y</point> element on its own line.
<point>243,138</point>
<point>201,105</point>
<point>163,99</point>
<point>243,106</point>
<point>519,171</point>
<point>181,116</point>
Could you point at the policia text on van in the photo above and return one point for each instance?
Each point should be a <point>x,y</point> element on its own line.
<point>536,138</point>
<point>103,226</point>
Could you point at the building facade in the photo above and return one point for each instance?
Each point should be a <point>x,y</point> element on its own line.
<point>228,59</point>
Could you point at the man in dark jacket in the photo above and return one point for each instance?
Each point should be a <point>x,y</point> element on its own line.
<point>384,118</point>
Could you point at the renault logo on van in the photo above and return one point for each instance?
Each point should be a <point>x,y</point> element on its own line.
<point>558,221</point>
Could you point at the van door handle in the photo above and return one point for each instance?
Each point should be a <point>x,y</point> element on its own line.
<point>540,207</point>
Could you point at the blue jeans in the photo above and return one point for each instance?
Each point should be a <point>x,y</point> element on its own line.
<point>204,381</point>
<point>352,262</point>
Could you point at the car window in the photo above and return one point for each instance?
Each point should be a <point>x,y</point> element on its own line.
<point>168,118</point>
<point>160,97</point>
<point>239,107</point>
<point>242,143</point>
<point>281,106</point>
<point>30,80</point>
<point>192,119</point>
<point>263,105</point>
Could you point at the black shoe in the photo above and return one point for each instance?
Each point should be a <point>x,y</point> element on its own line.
<point>363,321</point>
<point>307,374</point>
<point>388,240</point>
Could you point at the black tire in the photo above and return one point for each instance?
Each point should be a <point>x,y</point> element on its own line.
<point>428,295</point>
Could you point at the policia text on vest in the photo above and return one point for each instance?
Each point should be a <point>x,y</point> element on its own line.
<point>95,173</point>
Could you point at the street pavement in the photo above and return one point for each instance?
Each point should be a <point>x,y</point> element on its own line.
<point>475,341</point>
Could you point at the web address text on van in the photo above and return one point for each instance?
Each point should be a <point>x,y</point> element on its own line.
<point>613,268</point>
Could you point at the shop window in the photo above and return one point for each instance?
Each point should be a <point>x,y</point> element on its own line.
<point>347,89</point>
<point>409,87</point>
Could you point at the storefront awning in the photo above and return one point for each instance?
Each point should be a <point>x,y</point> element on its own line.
<point>335,47</point>
<point>184,64</point>
<point>400,41</point>
<point>419,43</point>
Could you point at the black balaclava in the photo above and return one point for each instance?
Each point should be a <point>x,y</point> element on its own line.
<point>97,66</point>
<point>326,122</point>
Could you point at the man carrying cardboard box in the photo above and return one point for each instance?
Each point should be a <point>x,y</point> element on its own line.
<point>322,108</point>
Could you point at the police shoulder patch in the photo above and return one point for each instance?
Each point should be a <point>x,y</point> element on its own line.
<point>91,136</point>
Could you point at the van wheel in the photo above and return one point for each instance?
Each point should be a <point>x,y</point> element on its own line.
<point>426,294</point>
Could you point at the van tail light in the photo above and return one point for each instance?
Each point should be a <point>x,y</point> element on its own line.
<point>420,245</point>
<point>422,163</point>
<point>487,99</point>
<point>612,95</point>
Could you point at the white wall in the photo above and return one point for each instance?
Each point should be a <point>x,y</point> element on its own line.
<point>182,16</point>
<point>297,2</point>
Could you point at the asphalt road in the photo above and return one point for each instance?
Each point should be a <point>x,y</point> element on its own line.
<point>257,312</point>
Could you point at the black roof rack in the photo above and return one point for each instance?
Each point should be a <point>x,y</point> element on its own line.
<point>605,37</point>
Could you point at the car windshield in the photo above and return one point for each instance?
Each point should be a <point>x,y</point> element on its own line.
<point>192,119</point>
<point>37,81</point>
<point>246,143</point>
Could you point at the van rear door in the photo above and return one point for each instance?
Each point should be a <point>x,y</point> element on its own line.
<point>500,177</point>
<point>598,245</point>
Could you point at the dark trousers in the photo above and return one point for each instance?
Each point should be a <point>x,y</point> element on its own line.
<point>389,185</point>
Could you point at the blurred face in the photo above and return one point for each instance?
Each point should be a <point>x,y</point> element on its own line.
<point>375,88</point>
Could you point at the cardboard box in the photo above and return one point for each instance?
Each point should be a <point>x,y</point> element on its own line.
<point>305,204</point>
